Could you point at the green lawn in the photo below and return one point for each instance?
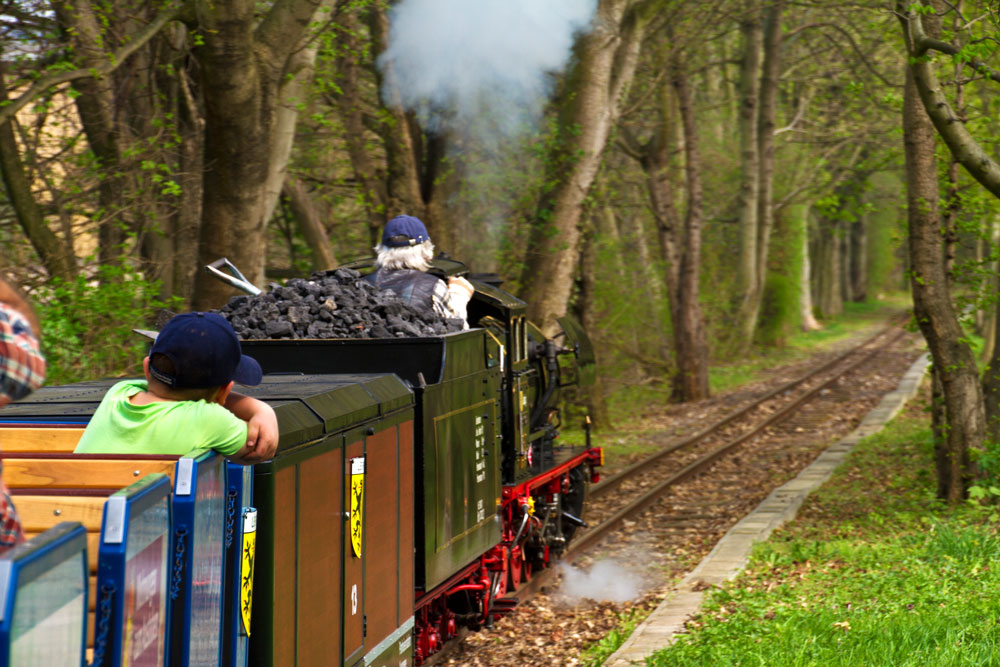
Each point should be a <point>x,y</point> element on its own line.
<point>873,572</point>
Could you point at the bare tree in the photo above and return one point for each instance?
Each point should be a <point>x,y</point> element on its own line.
<point>605,63</point>
<point>244,61</point>
<point>680,238</point>
<point>55,253</point>
<point>749,277</point>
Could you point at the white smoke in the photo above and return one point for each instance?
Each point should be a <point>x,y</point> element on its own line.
<point>606,581</point>
<point>468,62</point>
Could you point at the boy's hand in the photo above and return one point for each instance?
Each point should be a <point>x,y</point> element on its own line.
<point>262,434</point>
<point>262,427</point>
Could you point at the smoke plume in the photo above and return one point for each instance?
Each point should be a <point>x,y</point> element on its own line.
<point>463,63</point>
<point>606,581</point>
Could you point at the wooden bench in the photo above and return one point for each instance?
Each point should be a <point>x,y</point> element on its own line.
<point>49,487</point>
<point>15,439</point>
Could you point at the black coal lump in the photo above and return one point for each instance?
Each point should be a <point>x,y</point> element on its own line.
<point>331,304</point>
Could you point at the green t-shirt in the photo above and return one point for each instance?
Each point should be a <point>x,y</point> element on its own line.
<point>175,427</point>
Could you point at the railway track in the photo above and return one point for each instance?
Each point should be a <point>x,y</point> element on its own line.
<point>788,411</point>
<point>648,481</point>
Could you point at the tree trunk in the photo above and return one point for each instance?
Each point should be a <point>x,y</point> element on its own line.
<point>932,302</point>
<point>56,255</point>
<point>939,428</point>
<point>96,107</point>
<point>243,59</point>
<point>989,315</point>
<point>770,75</point>
<point>603,71</point>
<point>749,188</point>
<point>829,298</point>
<point>799,218</point>
<point>991,378</point>
<point>373,191</point>
<point>297,75</point>
<point>590,320</point>
<point>691,381</point>
<point>846,258</point>
<point>400,136</point>
<point>920,40</point>
<point>310,221</point>
<point>859,261</point>
<point>186,217</point>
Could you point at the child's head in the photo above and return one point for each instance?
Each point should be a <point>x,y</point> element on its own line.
<point>197,353</point>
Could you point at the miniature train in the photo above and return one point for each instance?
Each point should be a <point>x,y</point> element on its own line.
<point>418,481</point>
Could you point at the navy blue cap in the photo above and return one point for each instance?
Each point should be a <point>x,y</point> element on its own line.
<point>205,352</point>
<point>404,230</point>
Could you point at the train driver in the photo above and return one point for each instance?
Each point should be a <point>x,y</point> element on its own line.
<point>403,258</point>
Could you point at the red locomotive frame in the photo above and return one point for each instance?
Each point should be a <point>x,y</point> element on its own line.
<point>502,569</point>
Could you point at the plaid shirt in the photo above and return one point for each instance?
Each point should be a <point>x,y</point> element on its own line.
<point>22,370</point>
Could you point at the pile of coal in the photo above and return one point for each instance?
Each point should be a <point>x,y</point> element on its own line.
<point>331,304</point>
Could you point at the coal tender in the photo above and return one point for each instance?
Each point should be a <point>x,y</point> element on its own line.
<point>331,304</point>
<point>493,496</point>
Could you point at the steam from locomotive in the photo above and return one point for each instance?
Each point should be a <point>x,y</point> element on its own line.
<point>483,59</point>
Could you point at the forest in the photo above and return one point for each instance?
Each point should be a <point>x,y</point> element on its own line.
<point>695,182</point>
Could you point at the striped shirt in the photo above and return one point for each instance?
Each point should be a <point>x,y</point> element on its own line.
<point>22,370</point>
<point>22,366</point>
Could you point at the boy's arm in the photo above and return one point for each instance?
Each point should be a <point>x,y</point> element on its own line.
<point>262,428</point>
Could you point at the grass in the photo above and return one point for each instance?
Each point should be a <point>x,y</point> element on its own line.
<point>601,650</point>
<point>875,571</point>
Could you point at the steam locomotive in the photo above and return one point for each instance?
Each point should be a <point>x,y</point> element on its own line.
<point>417,483</point>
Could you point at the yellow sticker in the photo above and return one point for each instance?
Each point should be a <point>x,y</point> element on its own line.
<point>357,502</point>
<point>246,567</point>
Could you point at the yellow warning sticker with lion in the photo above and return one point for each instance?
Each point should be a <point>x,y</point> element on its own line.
<point>357,502</point>
<point>246,566</point>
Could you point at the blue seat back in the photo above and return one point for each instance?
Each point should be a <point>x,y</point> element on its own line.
<point>199,509</point>
<point>131,611</point>
<point>43,599</point>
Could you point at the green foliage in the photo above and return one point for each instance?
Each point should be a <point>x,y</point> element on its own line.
<point>601,650</point>
<point>87,323</point>
<point>780,303</point>
<point>886,234</point>
<point>876,572</point>
<point>779,309</point>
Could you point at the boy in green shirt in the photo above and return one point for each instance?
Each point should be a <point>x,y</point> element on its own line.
<point>186,401</point>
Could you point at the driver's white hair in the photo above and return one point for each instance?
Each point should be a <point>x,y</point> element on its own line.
<point>417,257</point>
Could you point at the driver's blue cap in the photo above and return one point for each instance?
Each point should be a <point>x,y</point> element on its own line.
<point>205,353</point>
<point>404,230</point>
